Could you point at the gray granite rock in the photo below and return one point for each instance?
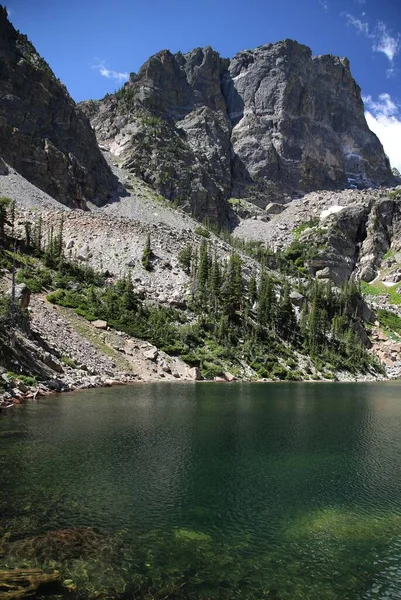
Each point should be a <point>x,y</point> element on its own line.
<point>42,134</point>
<point>271,123</point>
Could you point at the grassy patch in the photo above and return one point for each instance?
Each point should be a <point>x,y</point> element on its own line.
<point>303,226</point>
<point>379,289</point>
<point>389,320</point>
<point>68,362</point>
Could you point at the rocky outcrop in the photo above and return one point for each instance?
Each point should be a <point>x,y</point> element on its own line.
<point>42,134</point>
<point>352,239</point>
<point>169,126</point>
<point>270,123</point>
<point>298,120</point>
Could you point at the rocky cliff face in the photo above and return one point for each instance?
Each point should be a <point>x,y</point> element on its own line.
<point>298,120</point>
<point>270,123</point>
<point>42,134</point>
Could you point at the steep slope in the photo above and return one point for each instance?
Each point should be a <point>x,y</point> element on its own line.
<point>42,135</point>
<point>270,123</point>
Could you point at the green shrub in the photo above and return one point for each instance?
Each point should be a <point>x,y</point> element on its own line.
<point>203,232</point>
<point>395,194</point>
<point>68,361</point>
<point>389,320</point>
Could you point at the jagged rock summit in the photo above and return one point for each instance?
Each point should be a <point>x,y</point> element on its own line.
<point>270,123</point>
<point>42,134</point>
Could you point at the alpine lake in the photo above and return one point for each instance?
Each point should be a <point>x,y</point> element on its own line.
<point>282,491</point>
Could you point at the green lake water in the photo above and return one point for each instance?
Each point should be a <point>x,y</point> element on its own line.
<point>279,491</point>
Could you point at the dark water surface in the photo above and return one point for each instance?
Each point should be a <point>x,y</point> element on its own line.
<point>279,491</point>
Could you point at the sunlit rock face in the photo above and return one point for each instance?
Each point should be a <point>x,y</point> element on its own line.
<point>298,120</point>
<point>271,122</point>
<point>42,134</point>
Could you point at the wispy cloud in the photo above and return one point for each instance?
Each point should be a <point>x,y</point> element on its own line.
<point>110,73</point>
<point>385,43</point>
<point>360,26</point>
<point>382,40</point>
<point>384,118</point>
<point>324,4</point>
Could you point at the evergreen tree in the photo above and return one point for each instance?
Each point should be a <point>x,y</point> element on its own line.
<point>28,233</point>
<point>203,269</point>
<point>184,258</point>
<point>5,206</point>
<point>128,299</point>
<point>267,304</point>
<point>252,290</point>
<point>215,281</point>
<point>286,320</point>
<point>37,236</point>
<point>147,255</point>
<point>233,288</point>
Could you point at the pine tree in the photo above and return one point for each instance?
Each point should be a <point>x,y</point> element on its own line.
<point>286,320</point>
<point>233,289</point>
<point>215,281</point>
<point>58,243</point>
<point>203,269</point>
<point>147,255</point>
<point>37,236</point>
<point>5,205</point>
<point>28,233</point>
<point>267,303</point>
<point>252,290</point>
<point>184,258</point>
<point>128,299</point>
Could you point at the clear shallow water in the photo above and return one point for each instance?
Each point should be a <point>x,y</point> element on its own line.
<point>282,491</point>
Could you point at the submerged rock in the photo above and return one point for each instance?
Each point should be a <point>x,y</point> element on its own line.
<point>20,583</point>
<point>60,544</point>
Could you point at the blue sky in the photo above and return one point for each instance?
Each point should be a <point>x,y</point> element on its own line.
<point>92,45</point>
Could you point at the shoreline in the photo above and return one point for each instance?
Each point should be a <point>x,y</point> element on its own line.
<point>33,393</point>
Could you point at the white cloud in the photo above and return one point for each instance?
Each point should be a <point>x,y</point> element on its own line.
<point>385,43</point>
<point>384,119</point>
<point>324,4</point>
<point>110,73</point>
<point>382,40</point>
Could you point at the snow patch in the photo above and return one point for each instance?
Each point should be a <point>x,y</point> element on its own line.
<point>336,208</point>
<point>240,76</point>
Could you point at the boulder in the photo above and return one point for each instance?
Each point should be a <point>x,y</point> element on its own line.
<point>229,376</point>
<point>273,208</point>
<point>297,299</point>
<point>194,374</point>
<point>52,362</point>
<point>151,354</point>
<point>22,294</point>
<point>99,324</point>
